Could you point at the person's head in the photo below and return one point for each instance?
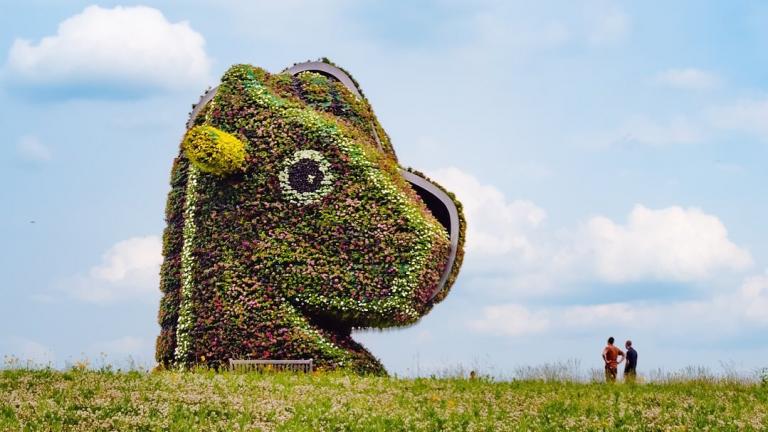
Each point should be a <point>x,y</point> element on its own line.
<point>610,340</point>
<point>628,344</point>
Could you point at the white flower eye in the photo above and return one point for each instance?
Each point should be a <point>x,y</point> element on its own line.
<point>306,177</point>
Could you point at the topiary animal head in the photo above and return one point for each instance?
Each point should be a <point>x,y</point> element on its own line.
<point>290,222</point>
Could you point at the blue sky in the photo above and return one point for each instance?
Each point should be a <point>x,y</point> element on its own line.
<point>611,156</point>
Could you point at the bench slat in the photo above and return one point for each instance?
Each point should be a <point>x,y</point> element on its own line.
<point>304,365</point>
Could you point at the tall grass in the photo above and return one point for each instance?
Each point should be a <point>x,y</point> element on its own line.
<point>571,371</point>
<point>95,398</point>
<point>563,371</point>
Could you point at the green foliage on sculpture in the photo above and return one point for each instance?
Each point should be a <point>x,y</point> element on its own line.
<point>289,223</point>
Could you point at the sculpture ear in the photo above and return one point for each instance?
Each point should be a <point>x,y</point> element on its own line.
<point>214,151</point>
<point>337,74</point>
<point>328,70</point>
<point>198,107</point>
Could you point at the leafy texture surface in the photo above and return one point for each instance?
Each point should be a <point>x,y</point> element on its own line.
<point>288,224</point>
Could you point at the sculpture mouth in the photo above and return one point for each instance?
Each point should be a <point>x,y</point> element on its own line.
<point>444,209</point>
<point>331,327</point>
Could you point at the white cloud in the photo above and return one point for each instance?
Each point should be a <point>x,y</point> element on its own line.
<point>754,295</point>
<point>42,298</point>
<point>750,115</point>
<point>495,225</point>
<point>31,149</point>
<point>129,270</point>
<point>309,22</point>
<point>510,320</point>
<point>747,116</point>
<point>122,47</point>
<point>33,352</point>
<point>647,131</point>
<point>493,28</point>
<point>597,315</point>
<point>666,244</point>
<point>124,346</point>
<point>509,251</point>
<point>719,316</point>
<point>423,336</point>
<point>519,320</point>
<point>610,27</point>
<point>529,28</point>
<point>688,78</point>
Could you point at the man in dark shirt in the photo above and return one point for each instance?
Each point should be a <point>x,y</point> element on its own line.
<point>630,368</point>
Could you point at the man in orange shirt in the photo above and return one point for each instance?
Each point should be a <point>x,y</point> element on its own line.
<point>611,356</point>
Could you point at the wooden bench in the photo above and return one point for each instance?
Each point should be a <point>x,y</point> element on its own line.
<point>271,365</point>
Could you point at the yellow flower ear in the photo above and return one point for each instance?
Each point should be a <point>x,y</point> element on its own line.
<point>214,151</point>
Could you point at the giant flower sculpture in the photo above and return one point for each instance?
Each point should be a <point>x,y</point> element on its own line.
<point>290,222</point>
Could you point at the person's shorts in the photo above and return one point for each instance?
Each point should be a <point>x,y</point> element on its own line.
<point>611,372</point>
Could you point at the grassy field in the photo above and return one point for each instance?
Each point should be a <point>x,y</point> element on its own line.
<point>87,400</point>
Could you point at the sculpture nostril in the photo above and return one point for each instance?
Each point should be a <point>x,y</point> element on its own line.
<point>444,209</point>
<point>435,206</point>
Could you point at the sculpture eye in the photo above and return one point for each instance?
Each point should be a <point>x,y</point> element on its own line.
<point>306,177</point>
